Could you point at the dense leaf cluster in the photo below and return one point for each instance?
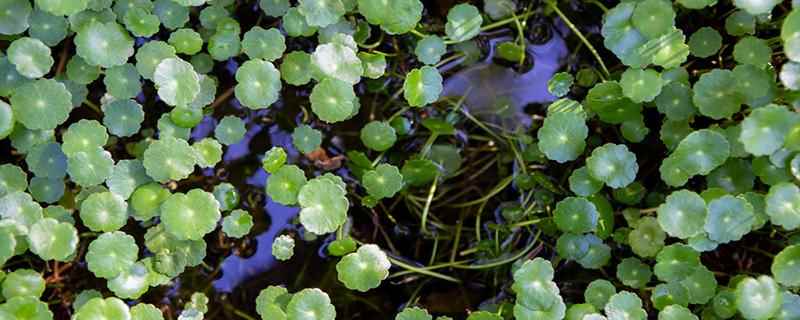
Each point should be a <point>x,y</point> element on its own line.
<point>729,169</point>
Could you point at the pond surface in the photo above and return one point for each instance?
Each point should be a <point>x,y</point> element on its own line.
<point>495,93</point>
<point>234,271</point>
<point>499,94</point>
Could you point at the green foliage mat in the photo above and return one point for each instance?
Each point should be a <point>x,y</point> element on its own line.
<point>142,141</point>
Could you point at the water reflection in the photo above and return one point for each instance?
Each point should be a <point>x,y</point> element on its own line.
<point>236,269</point>
<point>494,93</point>
<point>498,94</point>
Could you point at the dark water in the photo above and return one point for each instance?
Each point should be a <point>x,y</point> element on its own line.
<point>242,275</point>
<point>485,84</point>
<point>238,269</point>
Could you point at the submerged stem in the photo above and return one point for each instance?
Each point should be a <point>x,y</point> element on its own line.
<point>500,186</point>
<point>506,21</point>
<point>580,36</point>
<point>239,313</point>
<point>427,207</point>
<point>501,262</point>
<point>422,270</point>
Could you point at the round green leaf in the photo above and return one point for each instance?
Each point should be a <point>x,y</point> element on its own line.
<point>237,224</point>
<point>123,118</point>
<point>25,308</point>
<point>676,312</point>
<point>429,50</point>
<point>786,266</point>
<point>104,211</point>
<point>646,239</point>
<point>83,136</point>
<point>378,135</point>
<point>364,269</point>
<point>383,182</point>
<point>333,100</point>
<point>294,68</point>
<point>582,183</point>
<point>413,313</point>
<point>169,159</point>
<point>30,56</point>
<point>23,283</point>
<point>230,130</point>
<point>641,85</point>
<point>90,168</point>
<point>729,218</point>
<point>576,215</point>
<point>783,205</point>
<point>606,99</point>
<point>337,61</point>
<point>676,262</point>
<point>598,292</point>
<point>625,306</point>
<point>186,41</point>
<point>752,50</point>
<point>177,82</point>
<point>47,160</point>
<point>283,247</point>
<point>310,304</point>
<point>705,42</point>
<point>122,81</point>
<point>12,178</point>
<point>715,94</point>
<point>675,101</point>
<point>394,17</point>
<point>190,216</point>
<point>633,273</point>
<point>463,22</point>
<point>620,36</point>
<point>653,17</point>
<point>323,206</point>
<point>111,254</point>
<point>758,298</point>
<point>613,164</point>
<point>763,131</point>
<point>108,308</point>
<point>422,86</point>
<point>104,44</point>
<point>320,13</point>
<point>258,84</point>
<point>683,214</point>
<point>41,104</point>
<point>562,137</point>
<point>284,185</point>
<point>560,83</point>
<point>150,55</point>
<point>14,16</point>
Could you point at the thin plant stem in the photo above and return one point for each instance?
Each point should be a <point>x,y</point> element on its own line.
<point>528,222</point>
<point>506,21</point>
<point>434,251</point>
<point>457,240</point>
<point>580,36</point>
<point>397,114</point>
<point>497,189</point>
<point>427,208</point>
<point>449,59</point>
<point>92,106</point>
<point>374,44</point>
<point>464,265</point>
<point>424,271</point>
<point>222,98</point>
<point>478,222</point>
<point>239,313</point>
<point>599,5</point>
